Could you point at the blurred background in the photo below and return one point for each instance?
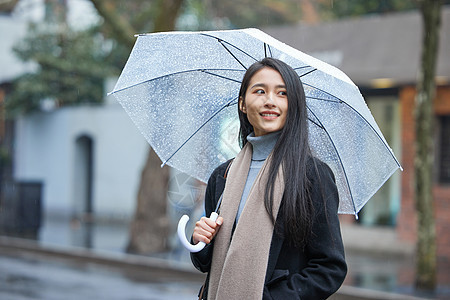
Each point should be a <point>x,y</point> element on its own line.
<point>75,173</point>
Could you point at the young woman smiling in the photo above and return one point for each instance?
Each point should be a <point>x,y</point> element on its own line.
<point>279,234</point>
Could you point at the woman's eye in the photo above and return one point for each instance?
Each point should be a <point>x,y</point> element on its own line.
<point>282,93</point>
<point>259,91</point>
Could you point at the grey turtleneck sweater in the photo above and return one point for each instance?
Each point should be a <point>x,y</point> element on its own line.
<point>262,146</point>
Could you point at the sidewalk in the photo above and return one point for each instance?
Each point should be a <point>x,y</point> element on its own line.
<point>33,272</point>
<point>162,279</point>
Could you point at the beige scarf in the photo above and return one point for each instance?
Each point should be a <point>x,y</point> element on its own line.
<point>239,264</point>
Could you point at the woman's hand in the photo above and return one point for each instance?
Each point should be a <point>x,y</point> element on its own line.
<point>205,230</point>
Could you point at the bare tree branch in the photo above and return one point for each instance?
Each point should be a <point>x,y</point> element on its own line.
<point>167,14</point>
<point>143,18</point>
<point>124,32</point>
<point>7,5</point>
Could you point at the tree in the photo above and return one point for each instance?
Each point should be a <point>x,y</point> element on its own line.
<point>71,65</point>
<point>122,20</point>
<point>7,6</point>
<point>424,158</point>
<point>59,81</point>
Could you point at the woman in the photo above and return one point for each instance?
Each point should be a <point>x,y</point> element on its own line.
<point>279,234</point>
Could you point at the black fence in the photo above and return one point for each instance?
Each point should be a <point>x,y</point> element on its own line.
<point>20,209</point>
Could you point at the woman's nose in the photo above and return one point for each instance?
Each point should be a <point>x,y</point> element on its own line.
<point>269,101</point>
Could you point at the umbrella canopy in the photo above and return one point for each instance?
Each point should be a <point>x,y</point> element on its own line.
<point>181,90</point>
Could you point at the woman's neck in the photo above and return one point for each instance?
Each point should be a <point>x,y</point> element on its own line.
<point>263,145</point>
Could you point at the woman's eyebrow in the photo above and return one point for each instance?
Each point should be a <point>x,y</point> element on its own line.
<point>259,85</point>
<point>282,86</point>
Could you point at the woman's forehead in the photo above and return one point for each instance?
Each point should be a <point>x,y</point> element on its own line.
<point>266,76</point>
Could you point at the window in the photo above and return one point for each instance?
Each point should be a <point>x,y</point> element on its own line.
<point>384,206</point>
<point>444,150</point>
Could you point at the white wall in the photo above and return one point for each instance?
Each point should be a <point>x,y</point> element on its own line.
<point>45,151</point>
<point>12,30</point>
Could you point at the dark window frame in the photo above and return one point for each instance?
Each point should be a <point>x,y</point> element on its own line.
<point>443,161</point>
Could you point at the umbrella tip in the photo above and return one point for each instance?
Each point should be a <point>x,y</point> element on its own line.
<point>163,164</point>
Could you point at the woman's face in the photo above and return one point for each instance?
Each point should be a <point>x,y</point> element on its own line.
<point>265,102</point>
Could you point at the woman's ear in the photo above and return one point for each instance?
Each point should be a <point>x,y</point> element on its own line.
<point>242,105</point>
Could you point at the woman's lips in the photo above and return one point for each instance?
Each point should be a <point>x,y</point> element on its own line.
<point>269,115</point>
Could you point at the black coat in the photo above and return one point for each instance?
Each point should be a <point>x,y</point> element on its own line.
<point>314,272</point>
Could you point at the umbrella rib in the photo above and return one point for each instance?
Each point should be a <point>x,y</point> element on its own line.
<point>220,41</point>
<point>307,73</point>
<point>220,76</point>
<point>304,67</point>
<point>229,103</point>
<point>171,74</point>
<point>267,47</point>
<point>313,87</point>
<point>315,123</point>
<point>322,99</point>
<point>340,161</point>
<point>270,50</point>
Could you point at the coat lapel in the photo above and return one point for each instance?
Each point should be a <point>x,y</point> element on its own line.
<point>220,186</point>
<point>275,248</point>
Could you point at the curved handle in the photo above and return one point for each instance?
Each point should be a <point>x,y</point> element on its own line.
<point>182,233</point>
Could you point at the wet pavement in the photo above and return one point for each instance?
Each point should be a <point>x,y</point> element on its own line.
<point>36,272</point>
<point>24,275</point>
<point>35,277</point>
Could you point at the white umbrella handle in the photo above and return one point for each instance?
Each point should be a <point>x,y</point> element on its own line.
<point>182,233</point>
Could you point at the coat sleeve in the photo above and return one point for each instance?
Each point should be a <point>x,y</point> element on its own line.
<point>325,268</point>
<point>202,259</point>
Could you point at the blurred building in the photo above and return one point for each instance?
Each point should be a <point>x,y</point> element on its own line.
<point>72,162</point>
<point>71,167</point>
<point>11,31</point>
<point>381,54</point>
<point>88,158</point>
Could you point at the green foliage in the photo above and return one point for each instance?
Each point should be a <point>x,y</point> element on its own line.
<point>5,157</point>
<point>71,66</point>
<point>194,16</point>
<point>217,14</point>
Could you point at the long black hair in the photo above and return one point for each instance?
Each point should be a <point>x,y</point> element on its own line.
<point>291,151</point>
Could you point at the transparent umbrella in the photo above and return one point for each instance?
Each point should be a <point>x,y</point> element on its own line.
<point>181,91</point>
